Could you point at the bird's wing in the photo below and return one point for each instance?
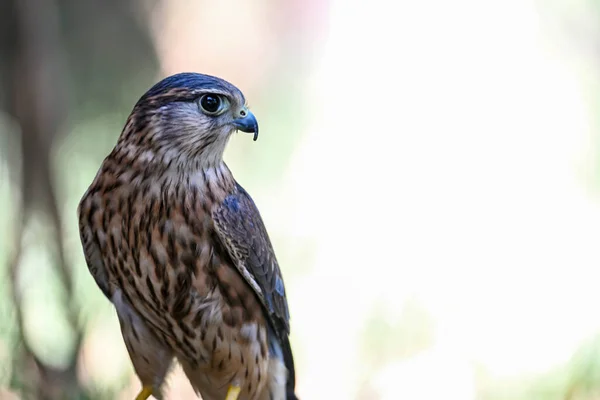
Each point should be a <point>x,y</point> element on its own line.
<point>91,248</point>
<point>242,232</point>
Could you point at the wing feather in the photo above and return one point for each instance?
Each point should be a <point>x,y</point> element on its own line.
<point>91,249</point>
<point>241,230</point>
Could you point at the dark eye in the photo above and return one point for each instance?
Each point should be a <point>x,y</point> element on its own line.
<point>211,103</point>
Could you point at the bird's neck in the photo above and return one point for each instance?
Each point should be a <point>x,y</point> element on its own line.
<point>165,156</point>
<point>171,167</point>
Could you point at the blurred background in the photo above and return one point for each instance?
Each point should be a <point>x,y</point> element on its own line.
<point>429,173</point>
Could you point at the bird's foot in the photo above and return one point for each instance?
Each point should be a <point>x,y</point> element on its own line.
<point>233,392</point>
<point>145,393</point>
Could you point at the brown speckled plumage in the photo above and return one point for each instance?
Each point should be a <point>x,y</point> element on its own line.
<point>180,249</point>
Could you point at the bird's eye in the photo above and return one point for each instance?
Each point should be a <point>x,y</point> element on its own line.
<point>212,104</point>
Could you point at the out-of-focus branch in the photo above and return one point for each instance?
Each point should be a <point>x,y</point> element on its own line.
<point>37,102</point>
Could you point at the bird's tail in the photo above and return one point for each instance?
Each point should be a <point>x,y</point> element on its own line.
<point>288,359</point>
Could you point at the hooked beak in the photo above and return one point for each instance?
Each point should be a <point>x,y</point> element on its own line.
<point>247,124</point>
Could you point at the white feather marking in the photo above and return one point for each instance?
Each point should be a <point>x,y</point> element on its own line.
<point>248,331</point>
<point>101,237</point>
<point>146,263</point>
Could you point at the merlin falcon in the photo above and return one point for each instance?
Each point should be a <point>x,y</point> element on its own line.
<point>181,251</point>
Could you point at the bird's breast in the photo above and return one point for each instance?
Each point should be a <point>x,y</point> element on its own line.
<point>160,248</point>
<point>165,255</point>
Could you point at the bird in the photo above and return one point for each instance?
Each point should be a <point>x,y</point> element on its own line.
<point>181,251</point>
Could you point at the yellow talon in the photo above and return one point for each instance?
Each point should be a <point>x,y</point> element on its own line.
<point>145,393</point>
<point>233,392</point>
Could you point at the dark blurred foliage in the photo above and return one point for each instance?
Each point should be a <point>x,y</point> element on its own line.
<point>61,61</point>
<point>99,46</point>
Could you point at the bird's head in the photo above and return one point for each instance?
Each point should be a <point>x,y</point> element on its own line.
<point>187,118</point>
